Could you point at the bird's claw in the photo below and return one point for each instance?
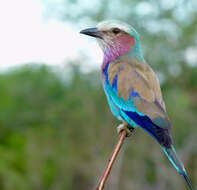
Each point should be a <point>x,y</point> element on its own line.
<point>124,126</point>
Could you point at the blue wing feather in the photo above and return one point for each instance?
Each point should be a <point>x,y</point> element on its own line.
<point>160,134</point>
<point>126,110</point>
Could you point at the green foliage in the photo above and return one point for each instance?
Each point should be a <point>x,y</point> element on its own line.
<point>57,134</point>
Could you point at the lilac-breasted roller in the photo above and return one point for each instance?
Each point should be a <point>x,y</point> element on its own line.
<point>131,86</point>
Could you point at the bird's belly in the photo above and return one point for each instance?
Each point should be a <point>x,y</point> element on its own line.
<point>116,111</point>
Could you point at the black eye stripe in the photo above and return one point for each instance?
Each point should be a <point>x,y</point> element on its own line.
<point>116,30</point>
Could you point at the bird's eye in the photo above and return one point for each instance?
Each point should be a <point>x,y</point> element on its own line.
<point>116,30</point>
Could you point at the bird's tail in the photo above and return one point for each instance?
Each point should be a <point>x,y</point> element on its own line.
<point>176,162</point>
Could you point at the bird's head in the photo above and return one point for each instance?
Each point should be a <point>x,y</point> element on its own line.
<point>115,38</point>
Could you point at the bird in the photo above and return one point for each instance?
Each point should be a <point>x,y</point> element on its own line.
<point>132,87</point>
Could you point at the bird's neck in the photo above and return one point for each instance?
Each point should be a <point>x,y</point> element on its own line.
<point>136,52</point>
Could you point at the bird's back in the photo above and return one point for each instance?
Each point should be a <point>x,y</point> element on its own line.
<point>134,73</point>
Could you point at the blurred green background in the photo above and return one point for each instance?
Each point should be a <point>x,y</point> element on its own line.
<point>56,129</point>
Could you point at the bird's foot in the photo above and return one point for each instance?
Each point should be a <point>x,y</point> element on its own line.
<point>126,127</point>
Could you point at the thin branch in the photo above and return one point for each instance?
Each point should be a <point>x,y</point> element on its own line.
<point>103,179</point>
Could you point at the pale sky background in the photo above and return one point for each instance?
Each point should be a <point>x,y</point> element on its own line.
<point>25,36</point>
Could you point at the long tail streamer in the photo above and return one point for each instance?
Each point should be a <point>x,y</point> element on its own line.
<point>176,162</point>
<point>188,181</point>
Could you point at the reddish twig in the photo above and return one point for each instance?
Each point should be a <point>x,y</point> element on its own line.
<point>101,183</point>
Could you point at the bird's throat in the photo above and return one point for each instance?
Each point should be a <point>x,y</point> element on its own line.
<point>115,50</point>
<point>117,47</point>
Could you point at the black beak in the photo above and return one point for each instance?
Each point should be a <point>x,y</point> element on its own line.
<point>92,32</point>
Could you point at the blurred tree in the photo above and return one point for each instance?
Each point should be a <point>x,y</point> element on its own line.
<point>56,127</point>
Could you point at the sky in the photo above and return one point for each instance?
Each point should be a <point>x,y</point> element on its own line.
<point>26,36</point>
